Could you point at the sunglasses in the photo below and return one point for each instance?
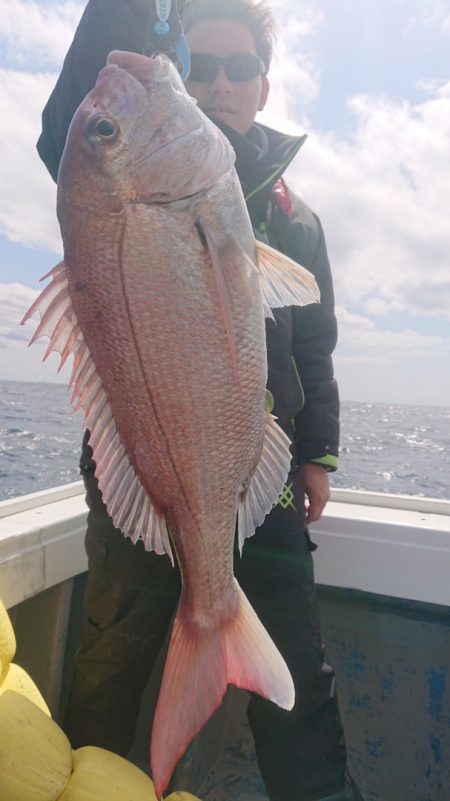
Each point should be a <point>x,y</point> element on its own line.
<point>238,67</point>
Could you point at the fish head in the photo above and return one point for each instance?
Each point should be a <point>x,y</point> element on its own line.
<point>140,137</point>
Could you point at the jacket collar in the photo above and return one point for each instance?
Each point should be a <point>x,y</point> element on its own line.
<point>262,156</point>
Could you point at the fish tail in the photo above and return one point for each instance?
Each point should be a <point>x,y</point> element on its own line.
<point>200,664</point>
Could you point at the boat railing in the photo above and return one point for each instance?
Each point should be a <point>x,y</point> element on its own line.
<point>368,541</point>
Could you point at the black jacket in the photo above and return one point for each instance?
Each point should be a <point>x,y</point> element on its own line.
<point>301,341</point>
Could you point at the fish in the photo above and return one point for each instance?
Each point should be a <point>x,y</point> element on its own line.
<point>161,300</point>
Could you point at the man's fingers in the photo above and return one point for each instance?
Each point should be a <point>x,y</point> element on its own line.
<point>317,490</point>
<point>314,510</point>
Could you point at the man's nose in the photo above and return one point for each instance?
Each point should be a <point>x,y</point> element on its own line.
<point>221,82</point>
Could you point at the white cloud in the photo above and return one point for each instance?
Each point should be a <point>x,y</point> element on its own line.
<point>17,361</point>
<point>384,197</point>
<point>15,299</point>
<point>294,78</point>
<point>292,75</point>
<point>438,15</point>
<point>21,363</point>
<point>32,32</point>
<point>378,365</point>
<point>359,334</point>
<point>378,307</point>
<point>394,379</point>
<point>304,20</point>
<point>383,194</point>
<point>27,202</point>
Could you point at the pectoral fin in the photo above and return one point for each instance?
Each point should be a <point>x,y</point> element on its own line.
<point>283,281</point>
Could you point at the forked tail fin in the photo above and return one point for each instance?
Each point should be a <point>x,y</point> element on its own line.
<point>200,664</point>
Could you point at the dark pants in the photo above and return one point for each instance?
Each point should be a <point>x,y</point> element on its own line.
<point>130,598</point>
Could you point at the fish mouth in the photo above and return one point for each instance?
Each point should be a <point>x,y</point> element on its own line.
<point>167,145</point>
<point>147,71</point>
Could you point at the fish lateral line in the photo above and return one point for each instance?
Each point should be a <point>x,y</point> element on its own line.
<point>213,251</point>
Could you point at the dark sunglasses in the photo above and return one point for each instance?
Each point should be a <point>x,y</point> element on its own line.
<point>238,67</point>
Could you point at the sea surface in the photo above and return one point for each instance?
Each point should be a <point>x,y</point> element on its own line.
<point>384,447</point>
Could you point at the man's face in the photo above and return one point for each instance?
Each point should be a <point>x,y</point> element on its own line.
<point>233,102</point>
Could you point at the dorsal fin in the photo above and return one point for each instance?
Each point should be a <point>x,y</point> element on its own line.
<point>125,498</point>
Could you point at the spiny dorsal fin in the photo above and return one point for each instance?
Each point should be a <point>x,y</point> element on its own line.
<point>124,496</point>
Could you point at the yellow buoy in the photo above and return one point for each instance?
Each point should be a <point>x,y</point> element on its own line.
<point>7,639</point>
<point>100,775</point>
<point>35,754</point>
<point>15,678</point>
<point>181,796</point>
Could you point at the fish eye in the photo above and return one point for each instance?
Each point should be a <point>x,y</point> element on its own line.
<point>102,129</point>
<point>105,128</point>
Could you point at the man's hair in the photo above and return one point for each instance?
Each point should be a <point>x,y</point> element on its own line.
<point>254,14</point>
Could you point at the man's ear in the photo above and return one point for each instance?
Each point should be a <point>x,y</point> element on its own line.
<point>264,92</point>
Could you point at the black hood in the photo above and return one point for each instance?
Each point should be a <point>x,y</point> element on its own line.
<point>262,156</point>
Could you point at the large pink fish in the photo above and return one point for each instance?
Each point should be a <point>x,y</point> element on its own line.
<point>161,301</point>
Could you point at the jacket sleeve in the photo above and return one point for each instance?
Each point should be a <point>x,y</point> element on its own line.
<point>105,25</point>
<point>314,339</point>
<point>87,470</point>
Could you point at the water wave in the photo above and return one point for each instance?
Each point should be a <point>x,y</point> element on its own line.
<point>384,447</point>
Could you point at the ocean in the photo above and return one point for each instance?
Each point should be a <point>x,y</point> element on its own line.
<point>384,447</point>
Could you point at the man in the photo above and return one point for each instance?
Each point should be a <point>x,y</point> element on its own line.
<point>131,595</point>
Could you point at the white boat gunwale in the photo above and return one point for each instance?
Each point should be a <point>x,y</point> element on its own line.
<point>391,545</point>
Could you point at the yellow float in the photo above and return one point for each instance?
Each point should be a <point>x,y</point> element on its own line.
<point>35,754</point>
<point>100,775</point>
<point>7,639</point>
<point>17,679</point>
<point>37,762</point>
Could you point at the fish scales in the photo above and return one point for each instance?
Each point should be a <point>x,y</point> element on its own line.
<point>173,315</point>
<point>176,354</point>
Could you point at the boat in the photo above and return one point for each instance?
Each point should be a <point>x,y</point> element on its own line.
<point>383,574</point>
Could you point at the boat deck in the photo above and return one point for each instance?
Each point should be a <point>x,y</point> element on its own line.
<point>382,569</point>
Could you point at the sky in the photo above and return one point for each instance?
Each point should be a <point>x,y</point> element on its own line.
<point>369,82</point>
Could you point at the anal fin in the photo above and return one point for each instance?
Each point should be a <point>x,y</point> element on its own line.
<point>267,481</point>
